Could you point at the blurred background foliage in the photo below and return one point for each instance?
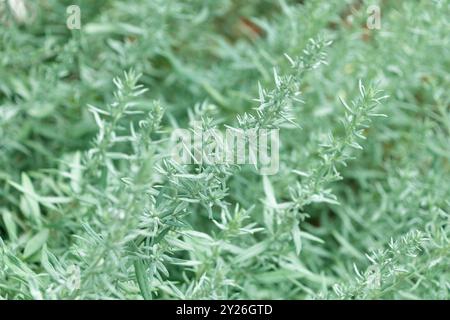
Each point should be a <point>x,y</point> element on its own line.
<point>394,199</point>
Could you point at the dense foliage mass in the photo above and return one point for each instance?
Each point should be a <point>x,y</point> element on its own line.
<point>92,206</point>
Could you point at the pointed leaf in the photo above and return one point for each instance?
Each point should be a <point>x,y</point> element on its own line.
<point>35,243</point>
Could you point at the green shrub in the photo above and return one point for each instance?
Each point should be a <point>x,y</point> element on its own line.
<point>93,205</point>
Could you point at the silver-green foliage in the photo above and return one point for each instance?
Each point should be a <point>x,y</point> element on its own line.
<point>92,206</point>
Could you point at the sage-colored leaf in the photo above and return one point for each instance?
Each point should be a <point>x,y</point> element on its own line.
<point>35,243</point>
